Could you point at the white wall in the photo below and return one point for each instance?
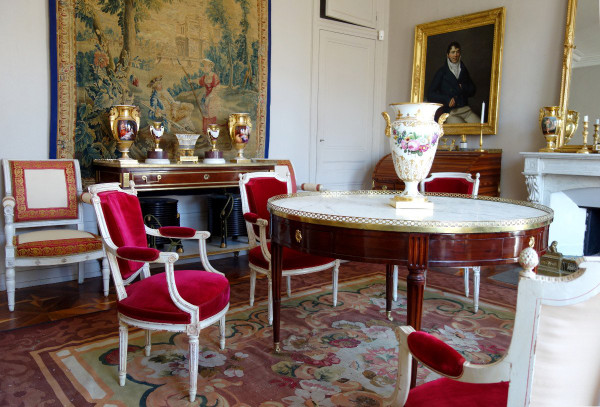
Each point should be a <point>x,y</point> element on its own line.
<point>531,69</point>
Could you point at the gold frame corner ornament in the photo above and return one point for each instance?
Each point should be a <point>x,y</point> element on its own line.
<point>423,31</point>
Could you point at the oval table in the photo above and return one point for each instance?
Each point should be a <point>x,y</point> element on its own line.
<point>362,226</point>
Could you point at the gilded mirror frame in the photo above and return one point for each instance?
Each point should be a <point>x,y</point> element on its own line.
<point>423,32</point>
<point>565,84</point>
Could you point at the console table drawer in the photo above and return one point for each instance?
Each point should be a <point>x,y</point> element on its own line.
<point>177,176</point>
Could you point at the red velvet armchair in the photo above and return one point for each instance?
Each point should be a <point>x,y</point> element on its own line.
<point>255,190</point>
<point>178,301</point>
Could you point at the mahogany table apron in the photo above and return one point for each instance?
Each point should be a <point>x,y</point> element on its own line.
<point>361,226</point>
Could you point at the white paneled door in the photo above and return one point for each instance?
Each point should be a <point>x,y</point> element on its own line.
<point>346,83</point>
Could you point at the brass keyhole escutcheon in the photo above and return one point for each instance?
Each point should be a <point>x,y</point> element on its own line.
<point>298,236</point>
<point>206,176</point>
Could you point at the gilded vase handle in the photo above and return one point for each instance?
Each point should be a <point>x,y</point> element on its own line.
<point>388,124</point>
<point>443,118</point>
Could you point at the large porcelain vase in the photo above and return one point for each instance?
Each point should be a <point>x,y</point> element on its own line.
<point>414,136</point>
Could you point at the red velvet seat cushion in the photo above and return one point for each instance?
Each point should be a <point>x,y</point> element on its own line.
<point>450,185</point>
<point>149,299</point>
<point>59,247</point>
<point>292,259</point>
<point>446,392</point>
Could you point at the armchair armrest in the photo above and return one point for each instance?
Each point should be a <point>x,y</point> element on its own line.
<point>143,254</point>
<point>177,232</point>
<point>312,187</point>
<point>262,224</point>
<point>86,197</point>
<point>435,354</point>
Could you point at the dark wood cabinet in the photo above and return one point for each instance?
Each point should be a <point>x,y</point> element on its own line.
<point>486,163</point>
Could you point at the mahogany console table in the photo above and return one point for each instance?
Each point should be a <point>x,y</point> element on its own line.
<point>487,163</point>
<point>164,177</point>
<point>361,226</point>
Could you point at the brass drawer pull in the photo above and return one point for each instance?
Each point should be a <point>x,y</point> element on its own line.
<point>206,176</point>
<point>145,179</point>
<point>384,187</point>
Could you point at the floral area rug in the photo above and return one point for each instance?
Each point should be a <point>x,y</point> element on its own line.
<point>331,356</point>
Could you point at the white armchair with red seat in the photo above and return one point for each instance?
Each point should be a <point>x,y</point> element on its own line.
<point>177,301</point>
<point>553,358</point>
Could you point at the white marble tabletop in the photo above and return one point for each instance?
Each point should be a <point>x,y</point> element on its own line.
<point>450,214</point>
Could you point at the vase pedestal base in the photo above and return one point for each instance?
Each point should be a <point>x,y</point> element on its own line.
<point>241,160</point>
<point>405,202</point>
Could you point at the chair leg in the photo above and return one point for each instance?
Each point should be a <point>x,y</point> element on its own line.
<point>289,286</point>
<point>123,342</point>
<point>105,276</point>
<point>466,278</point>
<point>222,332</point>
<point>270,301</point>
<point>395,284</point>
<point>252,286</point>
<point>336,272</point>
<point>193,366</point>
<point>148,342</point>
<point>81,272</point>
<point>476,279</point>
<point>10,287</point>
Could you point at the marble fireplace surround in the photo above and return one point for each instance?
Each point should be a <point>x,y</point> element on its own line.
<point>565,183</point>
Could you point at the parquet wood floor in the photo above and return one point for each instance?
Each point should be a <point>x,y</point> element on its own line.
<point>35,305</point>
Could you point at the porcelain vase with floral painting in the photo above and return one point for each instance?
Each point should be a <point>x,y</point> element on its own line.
<point>414,137</point>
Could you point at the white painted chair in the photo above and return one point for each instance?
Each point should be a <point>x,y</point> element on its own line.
<point>458,183</point>
<point>553,356</point>
<point>43,220</point>
<point>176,301</point>
<point>255,189</point>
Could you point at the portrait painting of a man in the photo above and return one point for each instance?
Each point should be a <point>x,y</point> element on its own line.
<point>458,64</point>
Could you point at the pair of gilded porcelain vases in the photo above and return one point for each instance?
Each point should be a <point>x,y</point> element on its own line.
<point>414,136</point>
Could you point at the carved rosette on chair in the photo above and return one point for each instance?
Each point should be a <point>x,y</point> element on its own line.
<point>239,131</point>
<point>550,122</point>
<point>124,123</point>
<point>213,156</point>
<point>414,139</point>
<point>158,155</point>
<point>187,143</point>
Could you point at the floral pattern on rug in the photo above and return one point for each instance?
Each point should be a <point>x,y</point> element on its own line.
<point>331,356</point>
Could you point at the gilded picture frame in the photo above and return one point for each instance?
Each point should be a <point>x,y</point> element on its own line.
<point>482,31</point>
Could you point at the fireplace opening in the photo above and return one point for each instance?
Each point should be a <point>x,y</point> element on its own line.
<point>591,239</point>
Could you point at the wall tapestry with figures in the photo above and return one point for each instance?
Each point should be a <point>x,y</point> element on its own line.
<point>189,63</point>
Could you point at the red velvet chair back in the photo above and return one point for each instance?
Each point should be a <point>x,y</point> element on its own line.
<point>259,190</point>
<point>125,224</point>
<point>449,185</point>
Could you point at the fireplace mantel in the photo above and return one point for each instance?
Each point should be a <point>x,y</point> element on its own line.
<point>546,173</point>
<point>554,180</point>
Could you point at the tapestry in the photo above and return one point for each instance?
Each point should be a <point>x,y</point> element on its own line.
<point>331,356</point>
<point>186,63</point>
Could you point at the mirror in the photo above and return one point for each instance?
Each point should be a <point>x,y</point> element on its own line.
<point>581,69</point>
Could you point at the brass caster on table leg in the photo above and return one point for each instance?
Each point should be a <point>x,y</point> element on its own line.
<point>277,348</point>
<point>389,315</point>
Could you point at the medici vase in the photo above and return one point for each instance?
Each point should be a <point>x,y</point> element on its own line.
<point>414,136</point>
